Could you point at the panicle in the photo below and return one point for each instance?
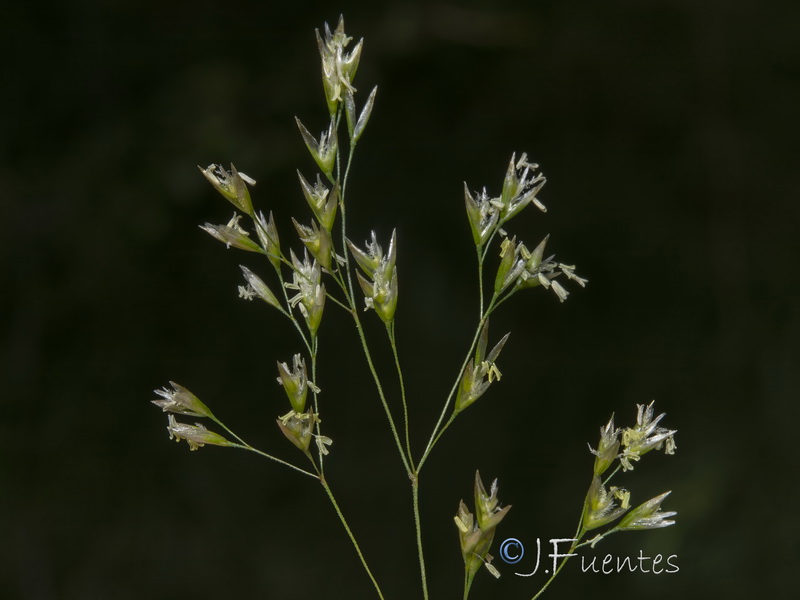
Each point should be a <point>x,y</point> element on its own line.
<point>338,67</point>
<point>323,151</point>
<point>257,287</point>
<point>480,372</point>
<point>356,126</point>
<point>299,428</point>
<point>476,534</point>
<point>520,187</point>
<point>295,382</point>
<point>231,184</point>
<point>232,234</point>
<point>268,235</point>
<point>318,241</point>
<point>646,435</point>
<point>323,201</point>
<point>647,515</point>
<point>608,448</point>
<point>380,285</point>
<point>603,506</point>
<point>195,435</point>
<point>181,401</point>
<point>310,297</point>
<point>482,214</point>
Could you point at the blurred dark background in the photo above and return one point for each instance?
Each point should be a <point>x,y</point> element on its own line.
<point>668,132</point>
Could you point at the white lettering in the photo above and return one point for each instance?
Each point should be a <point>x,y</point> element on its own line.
<point>555,555</point>
<point>538,556</point>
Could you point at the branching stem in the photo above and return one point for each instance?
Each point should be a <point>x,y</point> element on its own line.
<point>393,343</point>
<point>418,527</point>
<point>350,535</point>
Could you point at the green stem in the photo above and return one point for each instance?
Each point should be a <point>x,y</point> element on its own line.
<point>504,298</point>
<point>488,244</point>
<point>579,533</point>
<point>347,170</point>
<point>359,327</point>
<point>468,577</point>
<point>418,527</point>
<point>436,434</point>
<point>290,314</point>
<point>315,347</point>
<point>614,472</point>
<point>393,343</point>
<point>381,394</point>
<point>248,447</point>
<point>480,277</point>
<point>343,213</point>
<point>343,286</point>
<point>436,439</point>
<point>350,535</point>
<point>335,301</point>
<point>597,539</point>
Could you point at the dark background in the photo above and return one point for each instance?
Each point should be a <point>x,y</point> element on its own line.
<point>668,132</point>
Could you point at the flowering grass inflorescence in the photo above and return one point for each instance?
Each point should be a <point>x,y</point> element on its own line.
<point>321,272</point>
